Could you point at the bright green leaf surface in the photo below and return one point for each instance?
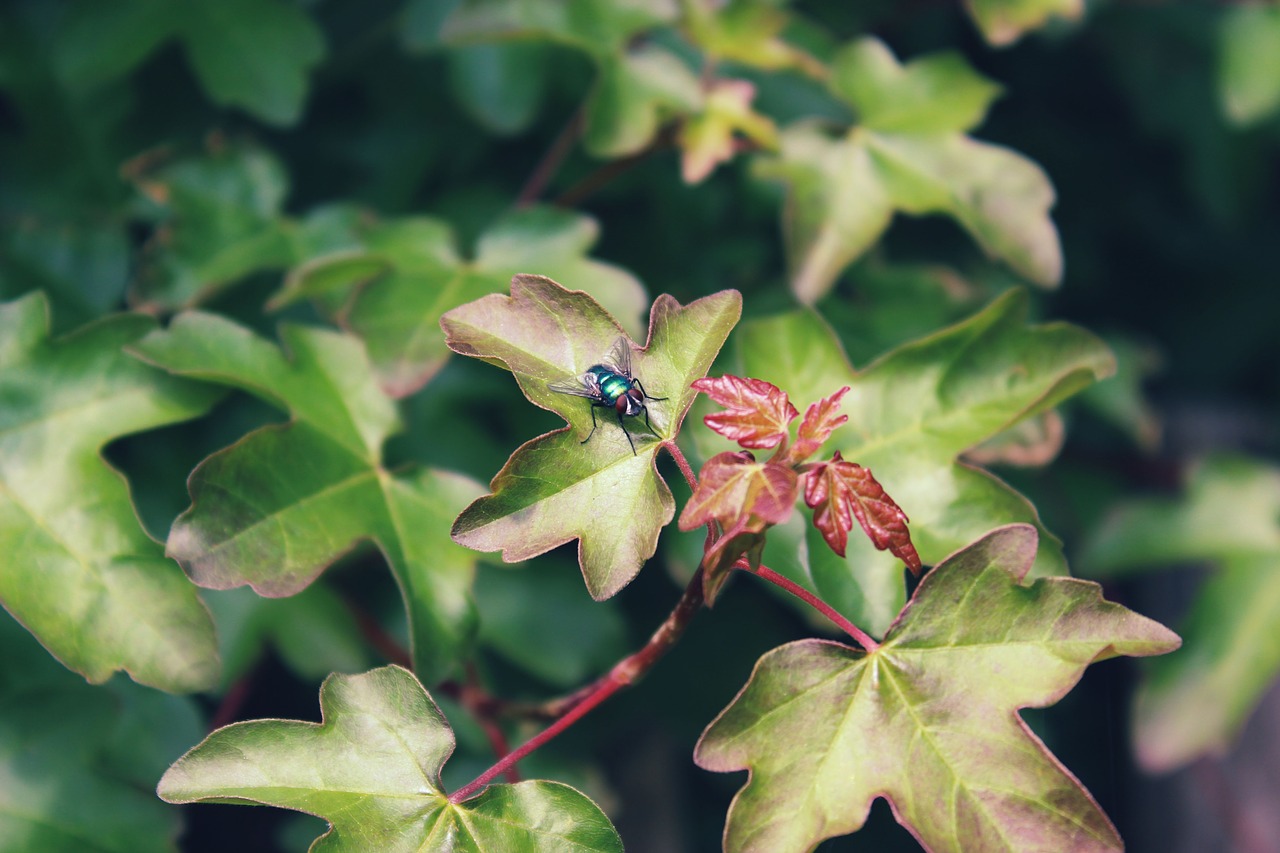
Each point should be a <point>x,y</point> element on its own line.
<point>253,54</point>
<point>555,489</point>
<point>635,93</point>
<point>908,155</point>
<point>936,94</point>
<point>911,414</point>
<point>372,769</point>
<point>78,569</point>
<point>410,272</point>
<point>1249,71</point>
<point>1005,21</point>
<point>929,721</point>
<point>276,508</point>
<point>1196,701</point>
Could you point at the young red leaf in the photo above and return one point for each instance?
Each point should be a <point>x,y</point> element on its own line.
<point>745,497</point>
<point>734,486</point>
<point>839,491</point>
<point>757,413</point>
<point>820,420</point>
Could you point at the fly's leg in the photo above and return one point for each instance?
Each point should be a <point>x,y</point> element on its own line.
<point>593,424</point>
<point>627,434</point>
<point>646,393</point>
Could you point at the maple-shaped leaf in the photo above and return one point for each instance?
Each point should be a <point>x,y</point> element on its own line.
<point>707,137</point>
<point>929,719</point>
<point>756,412</point>
<point>912,414</point>
<point>745,497</point>
<point>1003,22</point>
<point>393,290</point>
<point>1195,702</point>
<point>253,54</point>
<point>907,154</point>
<point>820,420</point>
<point>839,492</point>
<point>556,488</point>
<point>276,508</point>
<point>218,219</point>
<point>746,31</point>
<point>371,768</point>
<point>78,569</point>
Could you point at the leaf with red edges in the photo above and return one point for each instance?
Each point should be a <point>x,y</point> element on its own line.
<point>839,491</point>
<point>757,412</point>
<point>820,420</point>
<point>929,720</point>
<point>745,497</point>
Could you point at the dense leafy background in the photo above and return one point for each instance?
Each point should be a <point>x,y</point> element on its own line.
<point>326,158</point>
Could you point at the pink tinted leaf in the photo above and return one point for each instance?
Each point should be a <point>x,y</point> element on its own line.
<point>756,412</point>
<point>840,491</point>
<point>733,486</point>
<point>820,420</point>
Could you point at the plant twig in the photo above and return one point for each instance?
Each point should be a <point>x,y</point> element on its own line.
<point>624,673</point>
<point>550,162</point>
<point>574,196</point>
<point>859,636</point>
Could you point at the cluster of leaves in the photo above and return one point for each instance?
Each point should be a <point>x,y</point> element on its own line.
<point>745,497</point>
<point>295,303</point>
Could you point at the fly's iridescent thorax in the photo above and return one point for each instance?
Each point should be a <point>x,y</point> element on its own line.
<point>612,385</point>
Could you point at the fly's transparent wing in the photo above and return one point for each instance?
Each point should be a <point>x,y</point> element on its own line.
<point>619,358</point>
<point>584,385</point>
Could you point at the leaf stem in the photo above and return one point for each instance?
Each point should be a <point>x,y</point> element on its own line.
<point>550,162</point>
<point>674,451</point>
<point>623,674</point>
<point>859,636</point>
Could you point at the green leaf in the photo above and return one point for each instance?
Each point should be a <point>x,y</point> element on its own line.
<point>253,54</point>
<point>409,272</point>
<point>79,571</point>
<point>936,94</point>
<point>1003,22</point>
<point>314,632</point>
<point>279,506</point>
<point>1196,702</point>
<point>556,489</point>
<point>372,769</point>
<point>635,94</point>
<point>636,88</point>
<point>219,220</point>
<point>523,613</point>
<point>57,796</point>
<point>1249,63</point>
<point>500,84</point>
<point>912,413</point>
<point>929,719</point>
<point>908,155</point>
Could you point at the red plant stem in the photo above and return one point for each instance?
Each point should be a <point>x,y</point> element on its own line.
<point>861,637</point>
<point>550,162</point>
<point>674,450</point>
<point>624,673</point>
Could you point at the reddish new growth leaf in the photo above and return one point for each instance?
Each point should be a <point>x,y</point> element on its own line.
<point>734,489</point>
<point>839,491</point>
<point>745,497</point>
<point>757,412</point>
<point>820,420</point>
